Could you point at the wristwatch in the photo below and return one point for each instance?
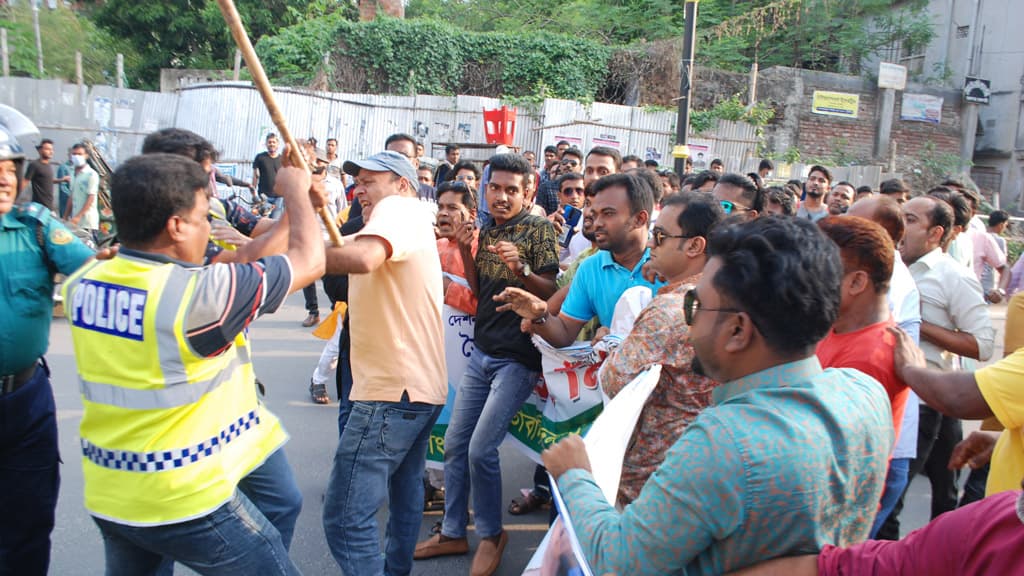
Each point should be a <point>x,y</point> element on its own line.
<point>525,271</point>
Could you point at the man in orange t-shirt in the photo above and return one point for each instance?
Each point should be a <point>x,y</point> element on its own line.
<point>860,337</point>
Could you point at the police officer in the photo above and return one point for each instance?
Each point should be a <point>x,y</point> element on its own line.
<point>33,246</point>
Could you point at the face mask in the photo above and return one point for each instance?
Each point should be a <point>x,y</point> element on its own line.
<point>78,161</point>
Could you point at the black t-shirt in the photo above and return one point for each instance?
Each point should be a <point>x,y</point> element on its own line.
<point>497,333</point>
<point>41,176</point>
<point>268,168</point>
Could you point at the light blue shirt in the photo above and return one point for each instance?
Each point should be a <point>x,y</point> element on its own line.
<point>598,285</point>
<point>785,461</point>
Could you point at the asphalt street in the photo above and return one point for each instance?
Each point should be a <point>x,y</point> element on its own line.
<point>285,355</point>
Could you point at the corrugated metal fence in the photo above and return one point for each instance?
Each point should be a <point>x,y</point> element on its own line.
<point>232,116</point>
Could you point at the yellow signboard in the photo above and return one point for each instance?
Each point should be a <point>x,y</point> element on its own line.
<point>835,104</point>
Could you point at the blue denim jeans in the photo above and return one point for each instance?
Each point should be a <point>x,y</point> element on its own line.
<point>274,492</point>
<point>29,475</point>
<point>235,539</point>
<point>380,458</point>
<point>278,203</point>
<point>491,391</point>
<point>895,482</point>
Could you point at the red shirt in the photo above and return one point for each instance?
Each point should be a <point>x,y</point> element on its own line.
<point>869,350</point>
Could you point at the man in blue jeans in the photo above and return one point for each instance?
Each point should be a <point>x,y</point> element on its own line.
<point>517,249</point>
<point>399,379</point>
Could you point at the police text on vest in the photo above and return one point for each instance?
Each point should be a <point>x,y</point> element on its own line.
<point>108,308</point>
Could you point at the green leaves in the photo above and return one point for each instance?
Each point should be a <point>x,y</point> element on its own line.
<point>425,57</point>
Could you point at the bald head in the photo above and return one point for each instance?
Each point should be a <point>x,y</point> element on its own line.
<point>884,211</point>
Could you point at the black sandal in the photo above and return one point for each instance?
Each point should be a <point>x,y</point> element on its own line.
<point>319,393</point>
<point>528,504</point>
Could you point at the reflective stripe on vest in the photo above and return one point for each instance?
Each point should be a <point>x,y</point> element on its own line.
<point>168,459</point>
<point>166,434</point>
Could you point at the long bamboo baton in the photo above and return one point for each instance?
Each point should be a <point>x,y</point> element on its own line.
<point>259,78</point>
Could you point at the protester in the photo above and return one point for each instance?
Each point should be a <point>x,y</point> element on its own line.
<point>397,398</point>
<point>503,369</point>
<point>816,189</point>
<point>788,459</point>
<point>660,335</point>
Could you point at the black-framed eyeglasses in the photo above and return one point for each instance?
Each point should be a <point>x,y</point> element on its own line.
<point>659,236</point>
<point>730,207</point>
<point>691,304</point>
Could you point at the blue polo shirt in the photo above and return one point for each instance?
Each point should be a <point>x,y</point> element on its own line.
<point>598,285</point>
<point>26,281</point>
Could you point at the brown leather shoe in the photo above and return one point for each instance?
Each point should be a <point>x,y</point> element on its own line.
<point>434,547</point>
<point>311,320</point>
<point>488,556</point>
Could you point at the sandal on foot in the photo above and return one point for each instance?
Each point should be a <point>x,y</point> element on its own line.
<point>528,504</point>
<point>319,393</point>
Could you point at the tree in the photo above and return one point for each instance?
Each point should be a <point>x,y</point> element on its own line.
<point>192,33</point>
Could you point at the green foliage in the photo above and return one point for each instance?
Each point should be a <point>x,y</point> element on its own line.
<point>192,33</point>
<point>606,21</point>
<point>62,33</point>
<point>792,155</point>
<point>931,167</point>
<point>828,35</point>
<point>732,109</point>
<point>424,57</point>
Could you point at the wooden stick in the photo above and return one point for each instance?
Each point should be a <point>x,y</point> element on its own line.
<point>262,83</point>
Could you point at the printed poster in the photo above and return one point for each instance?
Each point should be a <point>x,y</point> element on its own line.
<point>921,108</point>
<point>458,347</point>
<point>839,104</point>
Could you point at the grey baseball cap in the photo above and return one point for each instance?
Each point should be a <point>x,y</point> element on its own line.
<point>386,161</point>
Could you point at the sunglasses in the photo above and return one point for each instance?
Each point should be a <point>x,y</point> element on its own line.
<point>659,236</point>
<point>572,163</point>
<point>569,191</point>
<point>730,207</point>
<point>691,304</point>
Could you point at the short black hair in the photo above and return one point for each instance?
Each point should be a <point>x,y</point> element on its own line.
<point>651,177</point>
<point>560,142</point>
<point>865,190</point>
<point>573,151</point>
<point>765,164</point>
<point>650,163</point>
<point>717,162</point>
<point>701,212</point>
<point>641,196</point>
<point>941,214</point>
<point>756,179</point>
<point>956,201</point>
<point>845,183</point>
<point>467,195</point>
<point>785,274</point>
<point>608,152</point>
<point>703,178</point>
<point>449,148</point>
<point>785,199</point>
<point>463,165</point>
<point>43,142</point>
<point>551,150</point>
<point>147,190</point>
<point>399,137</point>
<point>633,158</point>
<point>513,163</point>
<point>79,145</point>
<point>824,172</point>
<point>997,217</point>
<point>329,140</point>
<point>180,142</point>
<point>568,177</point>
<point>269,136</point>
<point>893,186</point>
<point>748,190</point>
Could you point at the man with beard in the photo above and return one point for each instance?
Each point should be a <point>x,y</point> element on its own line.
<point>819,181</point>
<point>789,458</point>
<point>39,175</point>
<point>840,198</point>
<point>622,205</point>
<point>519,250</point>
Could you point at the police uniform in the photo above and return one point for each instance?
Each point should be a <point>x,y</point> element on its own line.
<point>172,424</point>
<point>33,246</point>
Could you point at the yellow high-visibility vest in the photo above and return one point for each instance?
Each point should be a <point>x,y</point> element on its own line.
<point>166,434</point>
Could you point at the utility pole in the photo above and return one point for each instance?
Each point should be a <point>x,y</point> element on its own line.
<point>39,38</point>
<point>680,152</point>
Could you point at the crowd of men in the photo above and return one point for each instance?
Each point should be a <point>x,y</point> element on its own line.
<point>816,343</point>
